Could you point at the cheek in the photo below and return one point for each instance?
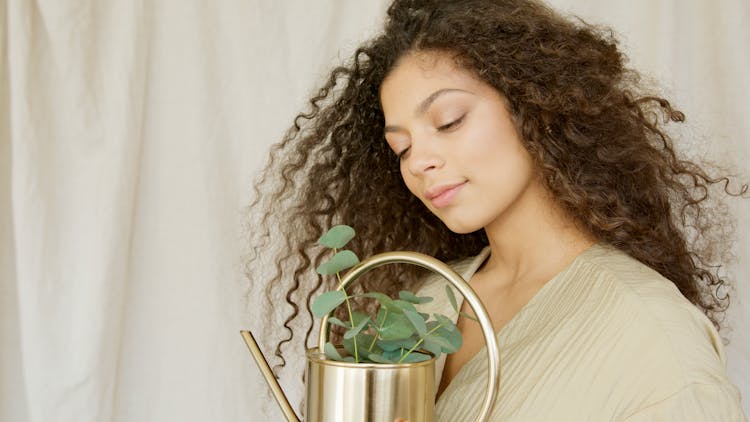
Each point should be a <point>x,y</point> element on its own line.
<point>410,182</point>
<point>499,148</point>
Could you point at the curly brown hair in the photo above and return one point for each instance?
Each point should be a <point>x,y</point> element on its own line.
<point>595,133</point>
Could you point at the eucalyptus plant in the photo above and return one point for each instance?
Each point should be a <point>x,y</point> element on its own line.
<point>399,333</point>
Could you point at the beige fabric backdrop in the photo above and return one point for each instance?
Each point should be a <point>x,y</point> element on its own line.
<point>129,136</point>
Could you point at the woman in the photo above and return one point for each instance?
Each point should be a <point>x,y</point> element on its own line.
<point>514,143</point>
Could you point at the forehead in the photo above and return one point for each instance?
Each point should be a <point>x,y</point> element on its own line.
<point>418,75</point>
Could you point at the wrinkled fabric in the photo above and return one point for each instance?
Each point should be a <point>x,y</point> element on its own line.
<point>130,133</point>
<point>606,339</point>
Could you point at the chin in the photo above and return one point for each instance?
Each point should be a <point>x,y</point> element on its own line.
<point>458,220</point>
<point>461,227</point>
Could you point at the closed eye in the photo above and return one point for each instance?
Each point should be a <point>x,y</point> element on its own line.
<point>452,124</point>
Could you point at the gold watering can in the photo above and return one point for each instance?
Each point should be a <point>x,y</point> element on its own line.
<point>373,392</point>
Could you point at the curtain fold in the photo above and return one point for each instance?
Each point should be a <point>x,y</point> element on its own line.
<point>76,96</point>
<point>13,401</point>
<point>130,133</point>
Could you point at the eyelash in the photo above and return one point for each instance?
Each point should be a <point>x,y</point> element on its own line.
<point>450,125</point>
<point>401,154</point>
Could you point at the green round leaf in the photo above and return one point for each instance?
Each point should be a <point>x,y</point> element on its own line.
<point>380,297</point>
<point>432,346</point>
<point>391,345</point>
<point>411,297</point>
<point>415,357</point>
<point>451,297</point>
<point>325,303</point>
<point>382,315</point>
<point>379,358</point>
<point>467,316</point>
<point>404,305</point>
<point>363,343</point>
<point>337,237</point>
<point>445,322</point>
<point>417,321</point>
<point>394,355</point>
<point>384,301</point>
<point>397,327</point>
<point>331,352</point>
<point>442,343</point>
<point>454,337</point>
<point>341,261</point>
<point>356,329</point>
<point>359,316</point>
<point>340,323</point>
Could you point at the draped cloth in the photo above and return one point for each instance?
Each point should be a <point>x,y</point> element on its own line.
<point>606,339</point>
<point>130,133</point>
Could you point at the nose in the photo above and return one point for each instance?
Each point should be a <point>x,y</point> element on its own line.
<point>424,156</point>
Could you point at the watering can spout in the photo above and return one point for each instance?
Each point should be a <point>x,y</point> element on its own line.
<point>265,369</point>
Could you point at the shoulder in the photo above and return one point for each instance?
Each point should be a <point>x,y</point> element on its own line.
<point>654,314</point>
<point>693,402</point>
<point>634,328</point>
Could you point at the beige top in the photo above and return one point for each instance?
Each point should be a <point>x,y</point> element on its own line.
<point>606,339</point>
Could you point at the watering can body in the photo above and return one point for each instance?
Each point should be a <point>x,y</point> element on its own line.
<point>368,392</point>
<point>342,391</point>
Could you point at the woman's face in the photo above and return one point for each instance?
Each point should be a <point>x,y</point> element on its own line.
<point>459,151</point>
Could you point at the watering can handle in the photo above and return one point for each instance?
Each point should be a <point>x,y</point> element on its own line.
<point>437,266</point>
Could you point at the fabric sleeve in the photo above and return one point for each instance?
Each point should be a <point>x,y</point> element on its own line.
<point>695,402</point>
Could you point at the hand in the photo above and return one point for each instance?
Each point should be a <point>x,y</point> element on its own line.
<point>400,420</point>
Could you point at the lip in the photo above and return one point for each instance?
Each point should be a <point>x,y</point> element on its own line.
<point>442,195</point>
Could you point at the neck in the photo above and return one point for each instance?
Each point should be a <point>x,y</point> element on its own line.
<point>531,242</point>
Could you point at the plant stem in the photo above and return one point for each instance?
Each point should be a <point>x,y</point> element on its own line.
<point>418,343</point>
<point>348,308</point>
<point>377,334</point>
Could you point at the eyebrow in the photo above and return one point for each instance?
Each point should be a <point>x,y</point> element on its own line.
<point>425,104</point>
